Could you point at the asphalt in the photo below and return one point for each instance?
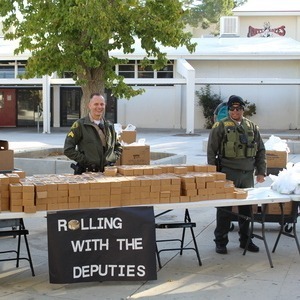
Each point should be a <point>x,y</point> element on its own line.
<point>233,276</point>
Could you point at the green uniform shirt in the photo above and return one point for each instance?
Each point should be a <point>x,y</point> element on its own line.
<point>218,138</point>
<point>83,144</point>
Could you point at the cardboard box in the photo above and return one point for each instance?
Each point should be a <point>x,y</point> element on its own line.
<point>6,157</point>
<point>276,159</point>
<point>135,155</point>
<point>128,136</point>
<point>274,208</point>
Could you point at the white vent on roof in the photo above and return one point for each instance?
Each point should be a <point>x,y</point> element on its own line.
<point>229,25</point>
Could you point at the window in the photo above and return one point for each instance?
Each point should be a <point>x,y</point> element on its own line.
<point>134,69</point>
<point>166,72</point>
<point>21,70</point>
<point>127,70</point>
<point>7,69</point>
<point>29,103</point>
<point>145,72</point>
<point>21,67</point>
<point>69,105</point>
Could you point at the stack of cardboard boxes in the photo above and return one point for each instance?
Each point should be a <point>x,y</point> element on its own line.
<point>131,185</point>
<point>6,157</point>
<point>6,165</point>
<point>133,154</point>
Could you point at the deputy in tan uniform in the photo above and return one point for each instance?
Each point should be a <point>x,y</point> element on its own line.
<point>236,148</point>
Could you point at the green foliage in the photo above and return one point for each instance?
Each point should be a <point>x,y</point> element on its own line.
<point>78,35</point>
<point>250,109</point>
<point>207,12</point>
<point>210,101</point>
<point>204,13</point>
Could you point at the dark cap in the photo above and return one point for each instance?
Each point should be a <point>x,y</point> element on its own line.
<point>235,100</point>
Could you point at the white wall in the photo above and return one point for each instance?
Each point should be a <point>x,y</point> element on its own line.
<point>277,106</point>
<point>158,107</point>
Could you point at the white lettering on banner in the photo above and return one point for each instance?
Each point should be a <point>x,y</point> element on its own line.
<point>101,223</point>
<point>90,245</point>
<point>62,225</point>
<point>135,244</point>
<point>89,224</point>
<point>109,270</point>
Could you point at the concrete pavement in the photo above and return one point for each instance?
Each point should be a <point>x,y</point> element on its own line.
<point>232,276</point>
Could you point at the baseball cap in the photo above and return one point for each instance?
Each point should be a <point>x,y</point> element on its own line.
<point>235,100</point>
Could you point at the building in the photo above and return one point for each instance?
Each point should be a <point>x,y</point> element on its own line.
<point>262,66</point>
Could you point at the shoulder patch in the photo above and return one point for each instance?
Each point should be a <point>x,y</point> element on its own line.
<point>229,123</point>
<point>75,125</point>
<point>216,125</point>
<point>71,134</point>
<point>249,124</point>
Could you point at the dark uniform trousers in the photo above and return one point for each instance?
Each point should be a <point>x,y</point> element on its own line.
<point>241,179</point>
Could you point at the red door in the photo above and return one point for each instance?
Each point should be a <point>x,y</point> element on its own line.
<point>8,108</point>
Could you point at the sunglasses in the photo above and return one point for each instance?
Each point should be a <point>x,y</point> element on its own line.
<point>235,108</point>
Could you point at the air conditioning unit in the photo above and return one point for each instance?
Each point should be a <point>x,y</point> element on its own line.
<point>229,25</point>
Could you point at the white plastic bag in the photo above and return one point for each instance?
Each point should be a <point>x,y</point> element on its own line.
<point>277,144</point>
<point>118,128</point>
<point>287,181</point>
<point>140,142</point>
<point>130,127</point>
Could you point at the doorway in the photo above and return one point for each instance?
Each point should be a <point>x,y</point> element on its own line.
<point>70,98</point>
<point>8,108</point>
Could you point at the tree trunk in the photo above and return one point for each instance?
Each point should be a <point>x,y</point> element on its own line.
<point>94,84</point>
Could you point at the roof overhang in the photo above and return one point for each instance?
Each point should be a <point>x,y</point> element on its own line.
<point>268,8</point>
<point>223,48</point>
<point>277,48</point>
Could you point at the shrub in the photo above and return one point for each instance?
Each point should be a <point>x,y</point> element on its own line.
<point>210,101</point>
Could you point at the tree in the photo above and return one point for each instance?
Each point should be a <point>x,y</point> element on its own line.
<point>78,35</point>
<point>207,12</point>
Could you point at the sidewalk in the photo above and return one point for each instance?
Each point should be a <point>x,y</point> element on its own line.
<point>232,276</point>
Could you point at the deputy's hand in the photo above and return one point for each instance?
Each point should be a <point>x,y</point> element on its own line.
<point>260,178</point>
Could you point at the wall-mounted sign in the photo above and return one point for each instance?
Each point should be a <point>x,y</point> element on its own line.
<point>101,244</point>
<point>266,31</point>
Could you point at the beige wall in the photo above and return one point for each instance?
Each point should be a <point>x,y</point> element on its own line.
<point>291,23</point>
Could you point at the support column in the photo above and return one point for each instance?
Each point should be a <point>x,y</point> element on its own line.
<point>56,105</point>
<point>46,104</point>
<point>188,72</point>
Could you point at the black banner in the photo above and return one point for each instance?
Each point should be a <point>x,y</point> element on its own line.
<point>101,244</point>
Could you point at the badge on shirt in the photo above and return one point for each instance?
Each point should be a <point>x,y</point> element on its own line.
<point>71,134</point>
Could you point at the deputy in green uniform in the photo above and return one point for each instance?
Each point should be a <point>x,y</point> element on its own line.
<point>236,148</point>
<point>92,141</point>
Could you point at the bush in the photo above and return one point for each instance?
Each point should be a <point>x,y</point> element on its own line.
<point>210,101</point>
<point>250,109</point>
